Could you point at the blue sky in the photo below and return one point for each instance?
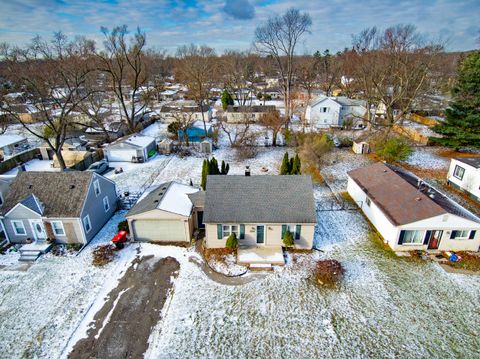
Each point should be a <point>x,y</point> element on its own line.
<point>230,24</point>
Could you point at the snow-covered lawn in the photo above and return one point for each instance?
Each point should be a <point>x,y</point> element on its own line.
<point>385,307</point>
<point>428,158</point>
<point>35,165</point>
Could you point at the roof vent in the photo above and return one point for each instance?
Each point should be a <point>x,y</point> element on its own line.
<point>247,171</point>
<point>418,199</point>
<point>72,186</point>
<point>156,201</point>
<point>30,186</point>
<point>385,171</point>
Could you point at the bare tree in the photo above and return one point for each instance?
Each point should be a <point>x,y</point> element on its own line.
<point>274,122</point>
<point>238,134</point>
<point>123,60</point>
<point>196,70</point>
<point>239,75</point>
<point>184,120</point>
<point>53,74</point>
<point>329,71</point>
<point>394,68</point>
<point>278,38</point>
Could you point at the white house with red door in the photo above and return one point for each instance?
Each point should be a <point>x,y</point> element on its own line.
<point>464,174</point>
<point>410,214</point>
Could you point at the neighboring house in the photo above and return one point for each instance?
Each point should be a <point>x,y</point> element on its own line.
<point>167,214</point>
<point>168,95</point>
<point>409,214</point>
<point>259,209</point>
<point>134,148</point>
<point>325,112</point>
<point>274,93</point>
<point>236,114</point>
<point>70,207</point>
<point>12,144</point>
<point>113,130</point>
<point>170,113</point>
<point>464,174</point>
<point>196,132</point>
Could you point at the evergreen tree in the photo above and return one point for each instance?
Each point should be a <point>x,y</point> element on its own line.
<point>288,239</point>
<point>191,182</point>
<point>297,166</point>
<point>461,127</point>
<point>285,167</point>
<point>227,168</point>
<point>227,100</point>
<point>290,167</point>
<point>204,174</point>
<point>224,168</point>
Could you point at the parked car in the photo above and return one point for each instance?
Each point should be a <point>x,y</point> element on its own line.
<point>98,167</point>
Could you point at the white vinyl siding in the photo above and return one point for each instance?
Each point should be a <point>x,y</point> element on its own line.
<point>58,229</point>
<point>19,228</point>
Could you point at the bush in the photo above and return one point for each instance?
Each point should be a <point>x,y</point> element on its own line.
<point>288,239</point>
<point>232,241</point>
<point>123,226</point>
<point>393,149</point>
<point>173,129</point>
<point>103,255</point>
<point>328,273</point>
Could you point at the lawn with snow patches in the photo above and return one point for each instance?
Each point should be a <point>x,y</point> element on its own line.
<point>427,158</point>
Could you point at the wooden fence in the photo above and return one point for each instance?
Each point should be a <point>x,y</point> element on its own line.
<point>17,160</point>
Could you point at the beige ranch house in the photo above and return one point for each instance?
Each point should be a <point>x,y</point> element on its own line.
<point>259,210</point>
<point>410,214</point>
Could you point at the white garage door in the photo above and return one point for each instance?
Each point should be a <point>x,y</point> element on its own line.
<point>121,155</point>
<point>159,231</point>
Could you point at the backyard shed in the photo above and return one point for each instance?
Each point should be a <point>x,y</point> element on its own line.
<point>135,148</point>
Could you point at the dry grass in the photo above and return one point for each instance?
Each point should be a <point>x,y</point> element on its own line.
<point>103,255</point>
<point>439,174</point>
<point>346,196</point>
<point>328,273</point>
<point>448,153</point>
<point>217,254</point>
<point>313,171</point>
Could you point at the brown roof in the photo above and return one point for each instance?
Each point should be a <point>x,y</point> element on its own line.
<point>62,193</point>
<point>399,200</point>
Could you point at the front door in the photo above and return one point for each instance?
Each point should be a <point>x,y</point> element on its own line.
<point>435,240</point>
<point>38,229</point>
<point>260,234</point>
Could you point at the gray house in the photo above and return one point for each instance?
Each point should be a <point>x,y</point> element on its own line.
<point>69,207</point>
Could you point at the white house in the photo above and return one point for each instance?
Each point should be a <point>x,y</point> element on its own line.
<point>409,214</point>
<point>464,174</point>
<point>134,148</point>
<point>12,144</point>
<point>170,112</point>
<point>325,112</point>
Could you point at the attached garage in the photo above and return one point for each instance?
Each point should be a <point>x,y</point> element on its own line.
<point>163,215</point>
<point>153,230</point>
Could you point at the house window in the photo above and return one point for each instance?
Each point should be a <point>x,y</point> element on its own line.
<point>19,228</point>
<point>323,109</point>
<point>106,205</point>
<point>228,229</point>
<point>413,237</point>
<point>458,172</point>
<point>368,202</point>
<point>462,235</point>
<point>96,187</point>
<point>58,229</point>
<point>87,224</point>
<point>295,229</point>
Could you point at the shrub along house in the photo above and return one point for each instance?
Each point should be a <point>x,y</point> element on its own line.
<point>409,214</point>
<point>259,210</point>
<point>464,174</point>
<point>68,207</point>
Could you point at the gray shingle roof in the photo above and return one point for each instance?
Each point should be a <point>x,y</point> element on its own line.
<point>259,199</point>
<point>61,193</point>
<point>472,161</point>
<point>197,198</point>
<point>150,201</point>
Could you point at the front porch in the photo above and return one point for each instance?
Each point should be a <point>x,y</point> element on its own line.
<point>260,257</point>
<point>30,252</point>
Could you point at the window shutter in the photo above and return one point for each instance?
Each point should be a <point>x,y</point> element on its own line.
<point>400,239</point>
<point>298,229</point>
<point>453,235</point>
<point>219,231</point>
<point>242,231</point>
<point>472,234</point>
<point>284,229</point>
<point>427,237</point>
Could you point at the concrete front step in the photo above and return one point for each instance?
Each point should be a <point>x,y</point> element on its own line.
<point>30,257</point>
<point>31,252</point>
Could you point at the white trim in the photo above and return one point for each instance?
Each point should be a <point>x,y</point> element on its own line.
<point>107,203</point>
<point>15,229</point>
<point>62,227</point>
<point>34,231</point>
<point>80,224</point>
<point>89,223</point>
<point>103,177</point>
<point>97,182</point>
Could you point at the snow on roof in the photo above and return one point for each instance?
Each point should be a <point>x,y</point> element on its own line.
<point>168,92</point>
<point>199,124</point>
<point>6,140</point>
<point>176,200</point>
<point>139,140</point>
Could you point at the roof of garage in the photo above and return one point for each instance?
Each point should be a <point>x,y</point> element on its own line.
<point>170,197</point>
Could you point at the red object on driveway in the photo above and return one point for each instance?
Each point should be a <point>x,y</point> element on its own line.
<point>121,237</point>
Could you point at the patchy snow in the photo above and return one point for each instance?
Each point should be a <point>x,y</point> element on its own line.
<point>6,140</point>
<point>227,266</point>
<point>10,257</point>
<point>427,158</point>
<point>35,165</point>
<point>20,130</point>
<point>139,140</point>
<point>176,199</point>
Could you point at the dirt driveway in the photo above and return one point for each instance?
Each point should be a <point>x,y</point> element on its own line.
<point>122,327</point>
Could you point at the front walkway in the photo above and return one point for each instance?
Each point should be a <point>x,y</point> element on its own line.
<point>260,255</point>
